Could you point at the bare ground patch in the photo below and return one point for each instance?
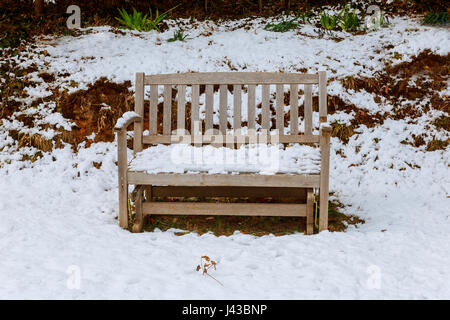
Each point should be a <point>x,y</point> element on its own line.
<point>258,226</point>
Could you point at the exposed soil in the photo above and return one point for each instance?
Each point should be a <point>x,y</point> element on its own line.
<point>429,73</point>
<point>423,77</point>
<point>96,109</point>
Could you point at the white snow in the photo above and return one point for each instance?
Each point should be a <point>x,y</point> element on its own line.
<point>254,158</point>
<point>124,119</point>
<point>58,214</point>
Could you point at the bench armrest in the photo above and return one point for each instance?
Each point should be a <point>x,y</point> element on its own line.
<point>325,129</point>
<point>127,119</point>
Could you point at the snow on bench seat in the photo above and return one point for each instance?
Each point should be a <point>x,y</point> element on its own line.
<point>260,158</point>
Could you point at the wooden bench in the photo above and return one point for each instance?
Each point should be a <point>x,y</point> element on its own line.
<point>264,119</point>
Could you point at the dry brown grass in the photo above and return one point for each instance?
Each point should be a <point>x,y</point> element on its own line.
<point>258,226</point>
<point>437,144</point>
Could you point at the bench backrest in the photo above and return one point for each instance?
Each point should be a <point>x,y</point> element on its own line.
<point>201,88</point>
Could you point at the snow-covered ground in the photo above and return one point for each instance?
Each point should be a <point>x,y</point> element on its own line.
<point>58,214</point>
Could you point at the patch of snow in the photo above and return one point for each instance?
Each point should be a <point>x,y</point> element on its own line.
<point>256,158</point>
<point>124,119</point>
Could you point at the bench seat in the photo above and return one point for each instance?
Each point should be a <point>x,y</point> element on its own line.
<point>256,159</point>
<point>242,179</point>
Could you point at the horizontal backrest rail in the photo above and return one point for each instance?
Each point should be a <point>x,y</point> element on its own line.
<point>155,139</point>
<point>231,78</point>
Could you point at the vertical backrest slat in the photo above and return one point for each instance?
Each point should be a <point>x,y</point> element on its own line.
<point>223,102</point>
<point>265,123</point>
<point>280,108</point>
<point>237,89</point>
<point>181,108</point>
<point>237,105</point>
<point>195,90</point>
<point>209,106</point>
<point>308,109</point>
<point>196,126</point>
<point>322,96</point>
<point>251,118</point>
<point>153,116</point>
<point>139,109</point>
<point>167,106</point>
<point>293,102</point>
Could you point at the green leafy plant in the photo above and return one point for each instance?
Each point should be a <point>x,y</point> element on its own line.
<point>440,18</point>
<point>330,22</point>
<point>283,26</point>
<point>350,20</point>
<point>140,22</point>
<point>383,21</point>
<point>177,36</point>
<point>153,23</point>
<point>136,21</point>
<point>305,16</point>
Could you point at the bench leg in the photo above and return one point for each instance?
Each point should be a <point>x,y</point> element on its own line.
<point>139,219</point>
<point>123,204</point>
<point>148,193</point>
<point>309,212</point>
<point>123,181</point>
<point>324,178</point>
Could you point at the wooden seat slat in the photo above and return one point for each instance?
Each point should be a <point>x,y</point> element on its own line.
<point>243,179</point>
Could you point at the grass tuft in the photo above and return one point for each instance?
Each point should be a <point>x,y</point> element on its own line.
<point>140,22</point>
<point>305,17</point>
<point>437,144</point>
<point>177,36</point>
<point>443,122</point>
<point>350,20</point>
<point>283,26</point>
<point>342,131</point>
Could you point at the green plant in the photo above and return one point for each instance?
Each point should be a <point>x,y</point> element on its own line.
<point>136,21</point>
<point>140,22</point>
<point>305,16</point>
<point>153,23</point>
<point>350,20</point>
<point>283,26</point>
<point>177,36</point>
<point>383,21</point>
<point>440,18</point>
<point>329,22</point>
